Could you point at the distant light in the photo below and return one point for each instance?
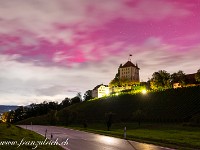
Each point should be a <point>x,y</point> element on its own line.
<point>117,94</point>
<point>144,91</point>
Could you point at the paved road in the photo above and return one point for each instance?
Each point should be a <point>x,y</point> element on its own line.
<point>79,140</point>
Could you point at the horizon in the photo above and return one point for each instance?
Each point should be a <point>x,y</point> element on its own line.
<point>54,49</point>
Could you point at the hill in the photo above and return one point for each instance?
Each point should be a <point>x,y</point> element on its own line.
<point>172,105</point>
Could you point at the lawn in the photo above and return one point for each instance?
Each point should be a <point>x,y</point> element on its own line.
<point>14,133</point>
<point>170,135</point>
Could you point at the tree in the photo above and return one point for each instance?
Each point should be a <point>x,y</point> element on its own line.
<point>160,80</point>
<point>52,115</point>
<point>52,105</point>
<point>197,76</point>
<point>87,95</point>
<point>138,115</point>
<point>4,117</point>
<point>122,82</point>
<point>76,99</point>
<point>178,77</point>
<point>109,120</point>
<point>33,110</point>
<point>116,80</point>
<point>11,116</point>
<point>73,116</point>
<point>19,114</point>
<point>65,103</point>
<point>79,96</point>
<point>64,117</point>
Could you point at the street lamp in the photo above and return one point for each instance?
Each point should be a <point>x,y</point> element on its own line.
<point>144,91</point>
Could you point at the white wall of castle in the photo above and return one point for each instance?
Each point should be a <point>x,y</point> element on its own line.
<point>130,73</point>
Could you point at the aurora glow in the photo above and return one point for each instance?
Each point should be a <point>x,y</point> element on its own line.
<point>52,49</point>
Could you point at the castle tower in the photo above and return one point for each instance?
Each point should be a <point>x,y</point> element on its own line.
<point>129,71</point>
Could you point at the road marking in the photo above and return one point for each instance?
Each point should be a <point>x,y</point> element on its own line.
<point>131,144</point>
<point>81,136</point>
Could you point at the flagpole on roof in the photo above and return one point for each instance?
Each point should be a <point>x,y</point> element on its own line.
<point>129,58</point>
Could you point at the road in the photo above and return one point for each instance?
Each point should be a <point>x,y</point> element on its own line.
<point>78,140</point>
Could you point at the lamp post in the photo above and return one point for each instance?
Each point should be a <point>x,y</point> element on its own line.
<point>124,132</point>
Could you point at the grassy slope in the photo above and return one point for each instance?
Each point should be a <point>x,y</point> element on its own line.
<point>178,105</point>
<point>167,106</point>
<point>17,134</point>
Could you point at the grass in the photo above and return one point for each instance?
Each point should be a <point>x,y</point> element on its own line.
<point>172,105</point>
<point>169,135</point>
<point>14,133</point>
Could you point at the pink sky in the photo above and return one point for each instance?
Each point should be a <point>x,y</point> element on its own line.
<point>53,49</point>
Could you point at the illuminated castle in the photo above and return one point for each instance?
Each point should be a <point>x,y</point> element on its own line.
<point>129,72</point>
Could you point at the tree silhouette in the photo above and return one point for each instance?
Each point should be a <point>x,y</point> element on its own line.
<point>87,95</point>
<point>160,80</point>
<point>109,120</point>
<point>178,77</point>
<point>65,103</point>
<point>76,99</point>
<point>138,115</point>
<point>197,76</point>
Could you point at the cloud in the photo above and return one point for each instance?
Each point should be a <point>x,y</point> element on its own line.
<point>52,49</point>
<point>24,82</point>
<point>51,90</point>
<point>155,55</point>
<point>157,10</point>
<point>61,20</point>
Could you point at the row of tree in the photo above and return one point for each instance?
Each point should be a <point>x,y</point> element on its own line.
<point>33,110</point>
<point>164,80</point>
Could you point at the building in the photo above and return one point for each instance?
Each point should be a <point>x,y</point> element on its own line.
<point>177,85</point>
<point>126,78</point>
<point>129,71</point>
<point>189,81</point>
<point>100,91</point>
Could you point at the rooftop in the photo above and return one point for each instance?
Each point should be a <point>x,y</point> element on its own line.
<point>129,64</point>
<point>96,87</point>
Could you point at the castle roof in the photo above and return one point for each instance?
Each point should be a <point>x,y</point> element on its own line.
<point>129,64</point>
<point>96,87</point>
